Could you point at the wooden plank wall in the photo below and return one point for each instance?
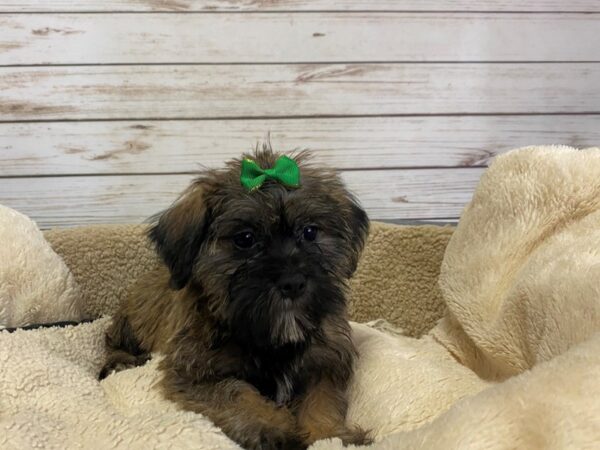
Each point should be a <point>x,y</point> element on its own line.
<point>107,108</point>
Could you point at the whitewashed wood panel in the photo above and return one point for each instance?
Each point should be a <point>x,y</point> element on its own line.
<point>142,92</point>
<point>57,148</point>
<point>297,5</point>
<point>296,37</point>
<point>67,201</point>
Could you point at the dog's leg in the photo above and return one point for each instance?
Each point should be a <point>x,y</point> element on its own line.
<point>124,350</point>
<point>239,410</point>
<point>321,414</point>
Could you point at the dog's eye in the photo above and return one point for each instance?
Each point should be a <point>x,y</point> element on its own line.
<point>245,239</point>
<point>310,233</point>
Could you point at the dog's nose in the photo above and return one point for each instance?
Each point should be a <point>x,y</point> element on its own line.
<point>293,285</point>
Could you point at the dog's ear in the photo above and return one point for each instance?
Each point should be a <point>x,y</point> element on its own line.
<point>359,224</point>
<point>179,232</point>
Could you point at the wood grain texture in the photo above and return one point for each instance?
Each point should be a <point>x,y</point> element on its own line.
<point>388,116</point>
<point>296,37</point>
<point>386,194</point>
<point>297,5</point>
<point>142,92</point>
<point>345,143</point>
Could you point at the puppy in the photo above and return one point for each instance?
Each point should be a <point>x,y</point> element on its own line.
<point>249,309</point>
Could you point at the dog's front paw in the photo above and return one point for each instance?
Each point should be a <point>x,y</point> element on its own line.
<point>273,439</point>
<point>355,436</point>
<point>120,361</point>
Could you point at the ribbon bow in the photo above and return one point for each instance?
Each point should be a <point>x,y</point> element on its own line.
<point>285,171</point>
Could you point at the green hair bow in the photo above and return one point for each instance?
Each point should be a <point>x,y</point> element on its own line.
<point>285,171</point>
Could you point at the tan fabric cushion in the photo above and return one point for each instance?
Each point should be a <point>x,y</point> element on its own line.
<point>396,278</point>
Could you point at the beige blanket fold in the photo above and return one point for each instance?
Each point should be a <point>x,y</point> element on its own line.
<point>556,405</point>
<point>36,286</point>
<point>521,280</point>
<point>521,274</point>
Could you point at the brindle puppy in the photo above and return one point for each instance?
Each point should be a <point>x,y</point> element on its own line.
<point>250,307</point>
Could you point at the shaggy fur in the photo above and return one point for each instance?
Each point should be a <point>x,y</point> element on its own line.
<point>250,307</point>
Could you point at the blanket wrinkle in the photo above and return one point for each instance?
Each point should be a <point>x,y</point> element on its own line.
<point>520,280</point>
<point>553,406</point>
<point>35,284</point>
<point>52,399</point>
<point>520,290</point>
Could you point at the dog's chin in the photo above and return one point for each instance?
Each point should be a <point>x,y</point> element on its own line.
<point>274,321</point>
<point>263,318</point>
<point>290,324</point>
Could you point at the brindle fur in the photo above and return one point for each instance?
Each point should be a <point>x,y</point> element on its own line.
<point>270,371</point>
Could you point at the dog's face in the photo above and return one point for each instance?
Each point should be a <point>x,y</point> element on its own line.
<point>271,263</point>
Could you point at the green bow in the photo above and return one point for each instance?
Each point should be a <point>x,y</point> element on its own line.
<point>285,171</point>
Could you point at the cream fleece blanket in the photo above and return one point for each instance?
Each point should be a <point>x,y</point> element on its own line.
<point>515,363</point>
<point>35,284</point>
<point>521,279</point>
